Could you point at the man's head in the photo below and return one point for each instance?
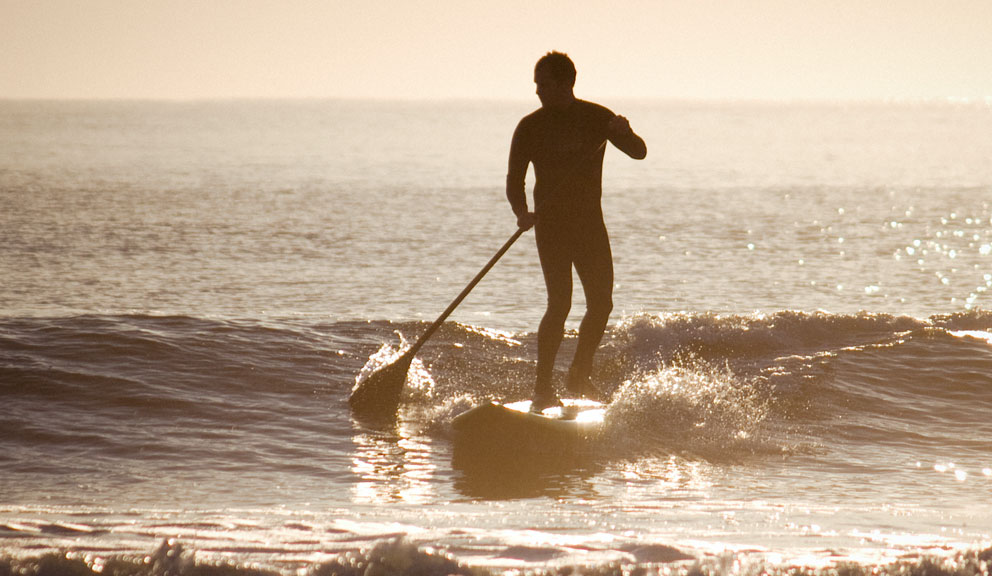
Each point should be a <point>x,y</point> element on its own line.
<point>554,75</point>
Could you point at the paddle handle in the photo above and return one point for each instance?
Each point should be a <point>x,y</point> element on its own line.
<point>458,299</point>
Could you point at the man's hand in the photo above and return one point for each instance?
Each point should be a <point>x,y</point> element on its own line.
<point>526,220</point>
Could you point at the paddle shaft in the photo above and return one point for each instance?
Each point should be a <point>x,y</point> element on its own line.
<point>458,300</point>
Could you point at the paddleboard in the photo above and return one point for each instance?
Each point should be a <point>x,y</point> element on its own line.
<point>513,429</point>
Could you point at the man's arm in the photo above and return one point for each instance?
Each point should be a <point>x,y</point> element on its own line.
<point>516,191</point>
<point>625,139</point>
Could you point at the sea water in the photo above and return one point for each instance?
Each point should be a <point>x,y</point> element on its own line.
<point>800,356</point>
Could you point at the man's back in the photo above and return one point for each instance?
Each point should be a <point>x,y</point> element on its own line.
<point>564,147</point>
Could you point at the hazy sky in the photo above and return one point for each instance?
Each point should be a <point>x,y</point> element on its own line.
<point>764,49</point>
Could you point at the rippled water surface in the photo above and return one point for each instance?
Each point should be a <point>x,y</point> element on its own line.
<point>799,356</point>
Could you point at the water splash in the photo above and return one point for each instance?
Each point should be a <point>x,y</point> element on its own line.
<point>420,386</point>
<point>691,408</point>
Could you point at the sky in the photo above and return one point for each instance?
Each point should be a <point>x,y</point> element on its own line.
<point>468,49</point>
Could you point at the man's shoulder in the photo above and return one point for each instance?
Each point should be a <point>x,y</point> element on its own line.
<point>533,117</point>
<point>592,108</point>
<point>529,124</point>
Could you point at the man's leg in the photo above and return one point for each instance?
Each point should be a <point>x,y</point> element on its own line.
<point>549,337</point>
<point>594,264</point>
<point>556,264</point>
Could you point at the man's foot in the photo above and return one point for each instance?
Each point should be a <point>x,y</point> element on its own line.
<point>583,388</point>
<point>542,402</point>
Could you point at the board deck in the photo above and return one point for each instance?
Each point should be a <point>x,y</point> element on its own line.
<point>513,428</point>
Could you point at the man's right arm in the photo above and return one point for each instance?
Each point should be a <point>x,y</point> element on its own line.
<point>516,190</point>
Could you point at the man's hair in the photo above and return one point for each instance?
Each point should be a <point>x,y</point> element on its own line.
<point>559,66</point>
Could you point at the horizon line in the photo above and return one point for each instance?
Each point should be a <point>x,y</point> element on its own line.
<point>671,100</point>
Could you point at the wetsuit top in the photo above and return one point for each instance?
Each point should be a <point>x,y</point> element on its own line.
<point>563,145</point>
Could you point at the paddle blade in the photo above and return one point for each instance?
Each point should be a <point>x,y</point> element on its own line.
<point>377,394</point>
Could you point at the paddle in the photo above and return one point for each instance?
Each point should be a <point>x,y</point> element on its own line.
<point>379,393</point>
<point>378,396</point>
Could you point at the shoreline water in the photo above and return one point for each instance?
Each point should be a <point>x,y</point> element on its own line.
<point>397,557</point>
<point>727,432</point>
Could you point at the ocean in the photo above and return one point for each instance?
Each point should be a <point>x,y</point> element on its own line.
<point>799,357</point>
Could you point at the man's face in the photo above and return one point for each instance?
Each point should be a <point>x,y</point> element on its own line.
<point>551,92</point>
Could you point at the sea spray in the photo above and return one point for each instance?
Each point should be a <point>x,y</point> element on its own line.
<point>419,383</point>
<point>689,408</point>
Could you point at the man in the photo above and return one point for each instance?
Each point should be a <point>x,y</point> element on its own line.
<point>565,141</point>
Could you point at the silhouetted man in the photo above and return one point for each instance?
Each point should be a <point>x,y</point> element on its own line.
<point>564,139</point>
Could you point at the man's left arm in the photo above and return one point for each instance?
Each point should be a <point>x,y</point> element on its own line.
<point>624,138</point>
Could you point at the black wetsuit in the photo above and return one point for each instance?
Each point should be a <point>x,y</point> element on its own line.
<point>565,148</point>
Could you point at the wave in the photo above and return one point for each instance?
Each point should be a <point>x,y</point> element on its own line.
<point>706,383</point>
<point>786,380</point>
<point>400,557</point>
<point>132,417</point>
